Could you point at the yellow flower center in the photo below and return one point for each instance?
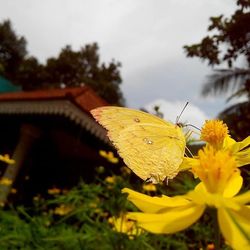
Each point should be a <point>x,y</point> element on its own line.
<point>214,132</point>
<point>215,168</point>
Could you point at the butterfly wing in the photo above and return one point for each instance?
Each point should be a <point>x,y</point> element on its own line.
<point>115,119</point>
<point>153,152</point>
<point>150,146</point>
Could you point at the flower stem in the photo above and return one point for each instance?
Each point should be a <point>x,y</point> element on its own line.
<point>217,237</point>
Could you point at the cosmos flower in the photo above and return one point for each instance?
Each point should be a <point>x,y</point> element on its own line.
<point>217,167</point>
<point>123,225</point>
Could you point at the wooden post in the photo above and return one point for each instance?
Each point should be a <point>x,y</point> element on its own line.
<point>28,133</point>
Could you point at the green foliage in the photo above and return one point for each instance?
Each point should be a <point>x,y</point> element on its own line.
<point>12,50</point>
<point>85,225</point>
<point>232,32</point>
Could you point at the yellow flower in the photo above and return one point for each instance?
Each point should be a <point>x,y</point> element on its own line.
<point>6,158</point>
<point>54,191</point>
<point>110,179</point>
<point>6,181</point>
<point>123,225</point>
<point>215,169</point>
<point>149,187</point>
<point>210,246</point>
<point>37,197</point>
<point>63,209</point>
<point>172,214</point>
<point>109,156</point>
<point>216,135</point>
<point>214,132</point>
<point>220,183</point>
<point>240,150</point>
<point>13,191</point>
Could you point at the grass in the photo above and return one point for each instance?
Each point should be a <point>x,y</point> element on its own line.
<point>79,219</point>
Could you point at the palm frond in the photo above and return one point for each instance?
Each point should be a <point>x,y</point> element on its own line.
<point>225,79</point>
<point>239,93</point>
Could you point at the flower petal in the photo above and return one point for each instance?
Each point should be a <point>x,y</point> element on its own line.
<point>241,151</point>
<point>236,147</point>
<point>235,226</point>
<point>170,222</point>
<point>228,142</point>
<point>242,198</point>
<point>187,163</point>
<point>234,185</point>
<point>243,157</point>
<point>150,204</point>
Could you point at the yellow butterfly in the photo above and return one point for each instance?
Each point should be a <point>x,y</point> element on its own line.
<point>150,146</point>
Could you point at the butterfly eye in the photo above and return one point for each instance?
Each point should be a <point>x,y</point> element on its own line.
<point>148,141</point>
<point>136,119</point>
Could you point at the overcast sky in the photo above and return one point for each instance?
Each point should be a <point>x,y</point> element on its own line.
<point>146,36</point>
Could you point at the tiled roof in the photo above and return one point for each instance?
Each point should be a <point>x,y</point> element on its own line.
<point>84,96</point>
<point>72,103</point>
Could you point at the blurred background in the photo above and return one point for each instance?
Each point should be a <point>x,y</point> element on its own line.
<point>60,178</point>
<point>140,43</point>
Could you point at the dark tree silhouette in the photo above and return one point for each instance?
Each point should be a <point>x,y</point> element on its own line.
<point>229,43</point>
<point>70,68</point>
<point>12,51</point>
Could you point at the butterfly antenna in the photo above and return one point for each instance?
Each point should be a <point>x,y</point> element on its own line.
<point>188,134</point>
<point>188,150</point>
<point>193,126</point>
<point>179,116</point>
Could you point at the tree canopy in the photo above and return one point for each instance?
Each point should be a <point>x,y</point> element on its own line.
<point>12,50</point>
<point>229,44</point>
<point>69,68</point>
<point>233,33</point>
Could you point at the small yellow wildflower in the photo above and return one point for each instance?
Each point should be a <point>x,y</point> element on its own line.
<point>123,225</point>
<point>214,132</point>
<point>211,246</point>
<point>54,191</point>
<point>149,187</point>
<point>36,198</point>
<point>6,158</point>
<point>6,181</point>
<point>63,209</point>
<point>110,179</point>
<point>13,191</point>
<point>109,156</point>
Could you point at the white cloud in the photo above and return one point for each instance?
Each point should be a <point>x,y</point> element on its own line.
<point>145,35</point>
<point>192,114</point>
